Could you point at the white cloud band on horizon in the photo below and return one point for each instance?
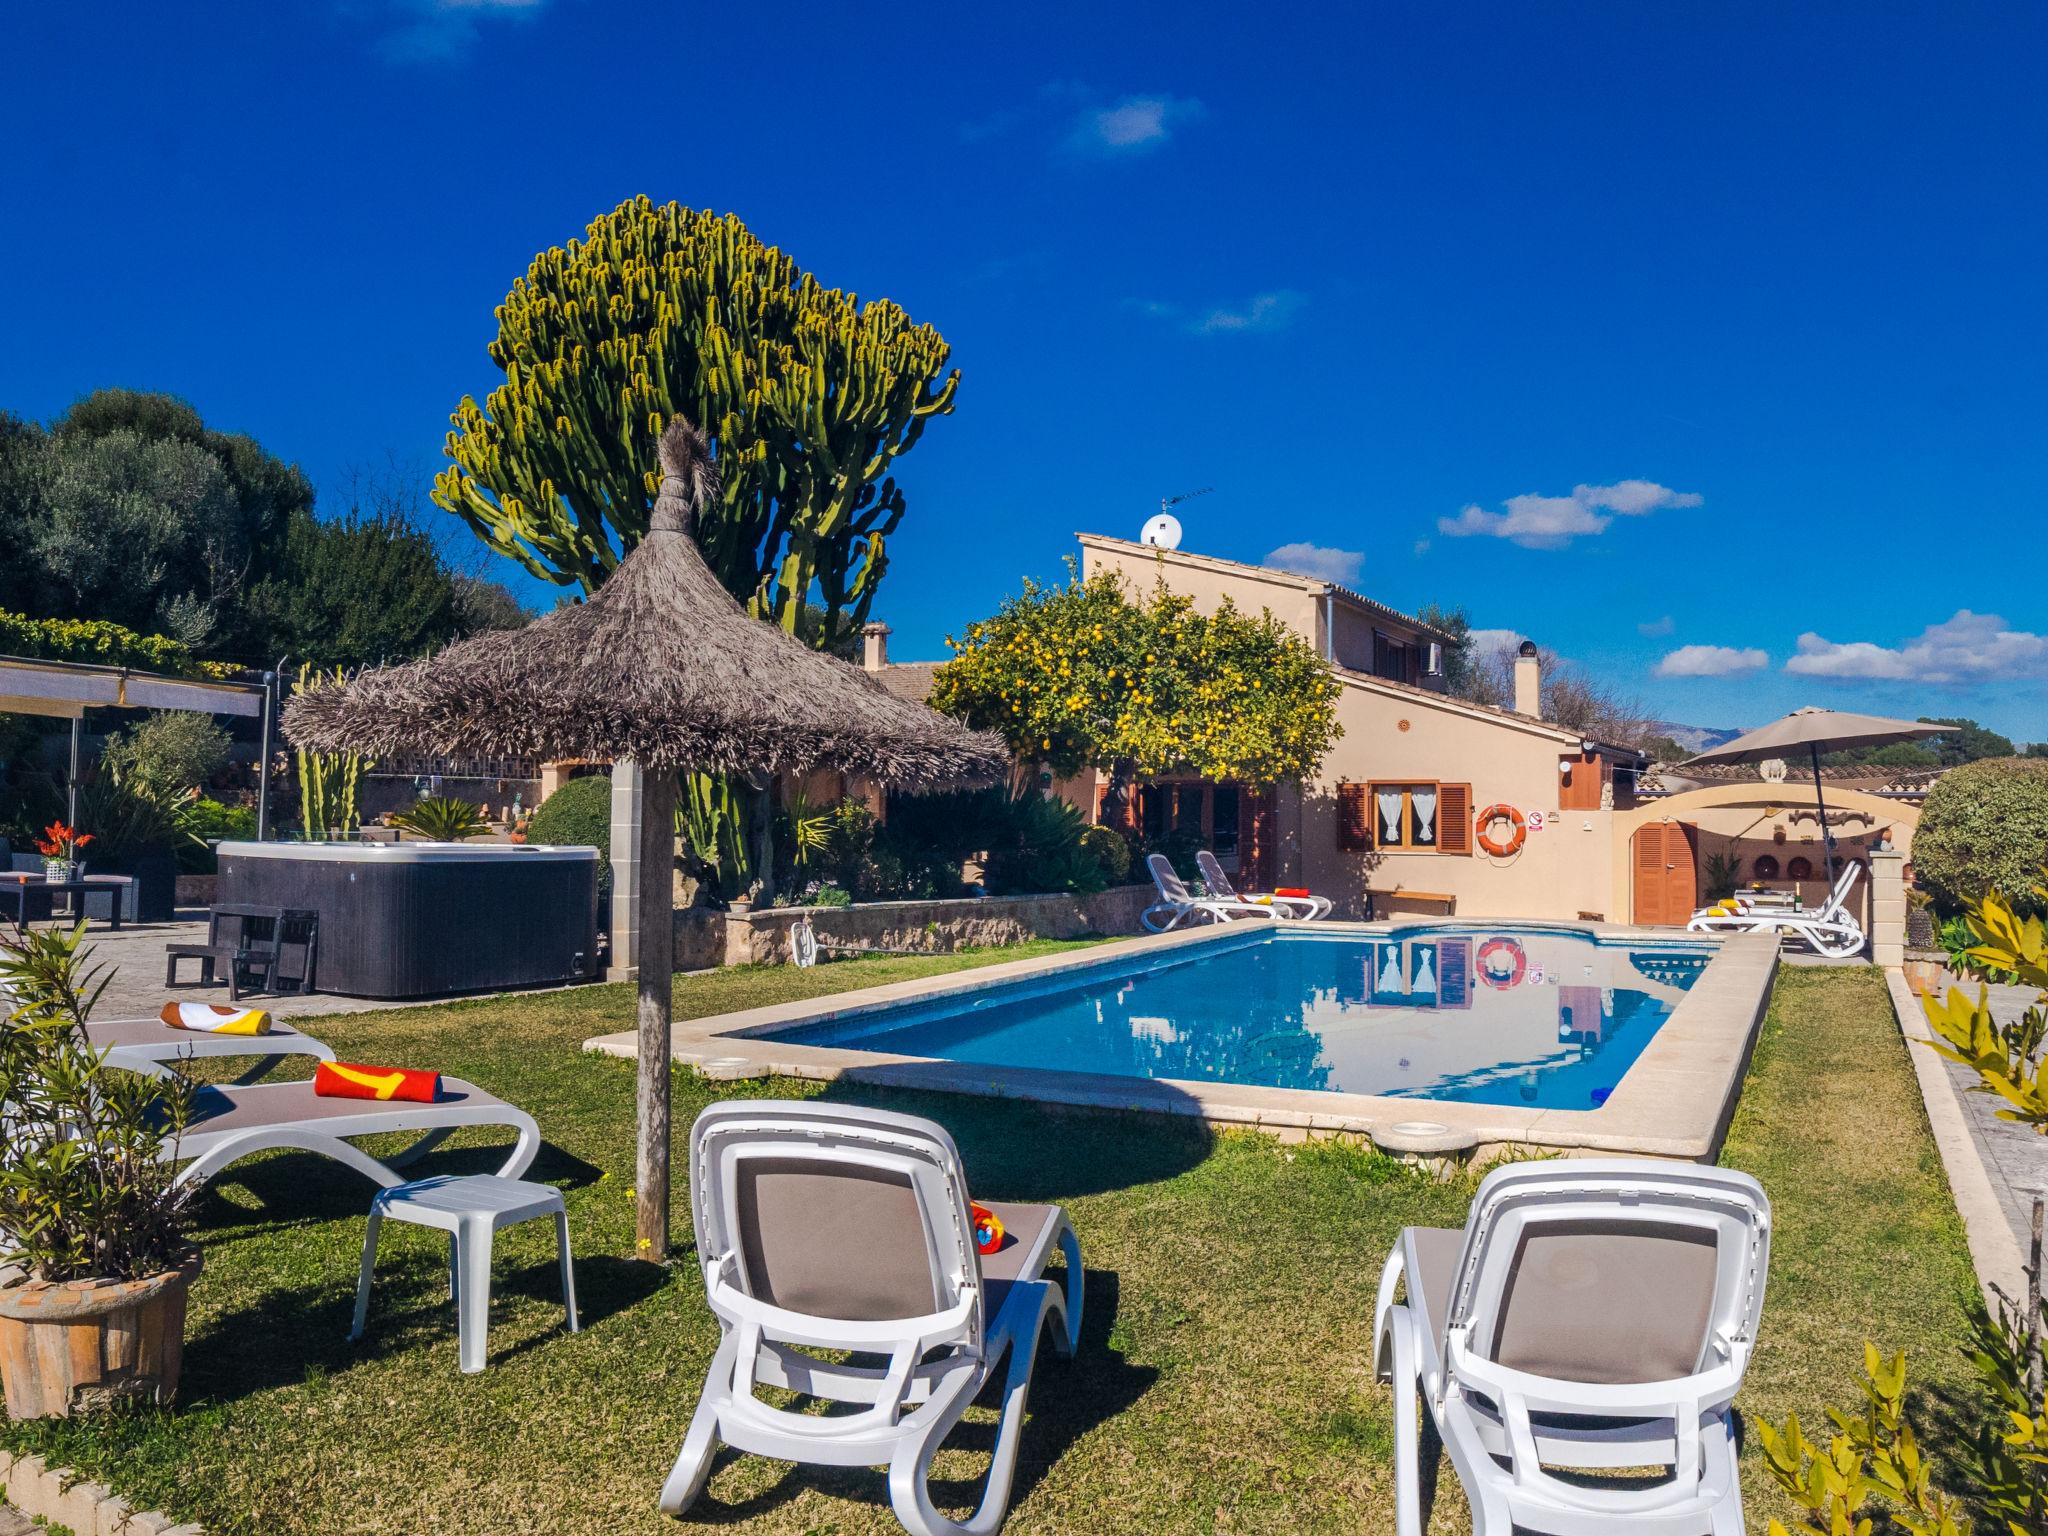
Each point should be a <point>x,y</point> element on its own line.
<point>1968,648</point>
<point>1324,564</point>
<point>1711,661</point>
<point>1552,522</point>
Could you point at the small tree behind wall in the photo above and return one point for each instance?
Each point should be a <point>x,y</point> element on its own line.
<point>1084,675</point>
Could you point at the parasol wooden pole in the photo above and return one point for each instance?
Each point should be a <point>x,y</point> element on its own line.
<point>657,945</point>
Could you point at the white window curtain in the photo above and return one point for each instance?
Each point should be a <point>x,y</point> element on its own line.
<point>1390,816</point>
<point>1425,815</point>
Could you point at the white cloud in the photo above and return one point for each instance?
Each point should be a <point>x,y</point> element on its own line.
<point>1969,648</point>
<point>1340,565</point>
<point>1711,661</point>
<point>1491,642</point>
<point>1133,125</point>
<point>1656,629</point>
<point>1265,312</point>
<point>1271,311</point>
<point>1552,522</point>
<point>435,31</point>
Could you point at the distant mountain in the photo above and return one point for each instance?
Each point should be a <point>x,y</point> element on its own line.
<point>1694,738</point>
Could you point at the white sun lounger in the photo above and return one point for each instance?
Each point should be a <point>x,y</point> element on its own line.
<point>837,1228</point>
<point>1830,931</point>
<point>1594,1314</point>
<point>1303,908</point>
<point>1176,903</point>
<point>152,1047</point>
<point>229,1124</point>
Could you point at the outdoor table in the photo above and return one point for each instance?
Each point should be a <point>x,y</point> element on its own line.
<point>25,890</point>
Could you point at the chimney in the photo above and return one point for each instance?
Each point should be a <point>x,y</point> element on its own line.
<point>1528,682</point>
<point>874,646</point>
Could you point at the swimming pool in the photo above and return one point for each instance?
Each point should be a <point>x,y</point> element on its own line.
<point>1542,1018</point>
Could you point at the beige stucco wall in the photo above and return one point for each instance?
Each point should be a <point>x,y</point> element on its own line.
<point>1750,818</point>
<point>1294,600</point>
<point>1562,870</point>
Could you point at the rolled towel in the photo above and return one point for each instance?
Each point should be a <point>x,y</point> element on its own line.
<point>342,1080</point>
<point>1290,890</point>
<point>988,1227</point>
<point>216,1018</point>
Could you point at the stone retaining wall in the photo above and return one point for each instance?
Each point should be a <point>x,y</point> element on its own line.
<point>705,938</point>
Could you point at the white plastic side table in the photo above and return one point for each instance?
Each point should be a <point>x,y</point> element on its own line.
<point>470,1209</point>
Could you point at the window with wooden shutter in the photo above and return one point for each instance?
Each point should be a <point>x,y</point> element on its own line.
<point>1354,818</point>
<point>1454,815</point>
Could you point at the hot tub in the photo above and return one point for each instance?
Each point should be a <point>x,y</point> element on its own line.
<point>424,919</point>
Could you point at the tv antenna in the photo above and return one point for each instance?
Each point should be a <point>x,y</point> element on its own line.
<point>1162,530</point>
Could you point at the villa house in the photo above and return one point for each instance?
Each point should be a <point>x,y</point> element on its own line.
<point>1392,815</point>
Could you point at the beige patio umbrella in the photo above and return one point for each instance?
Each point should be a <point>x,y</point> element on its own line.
<point>1808,733</point>
<point>659,666</point>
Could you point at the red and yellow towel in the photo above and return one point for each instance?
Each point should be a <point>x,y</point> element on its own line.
<point>988,1227</point>
<point>215,1018</point>
<point>346,1080</point>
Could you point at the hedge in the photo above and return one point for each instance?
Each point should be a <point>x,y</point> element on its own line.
<point>91,640</point>
<point>1984,827</point>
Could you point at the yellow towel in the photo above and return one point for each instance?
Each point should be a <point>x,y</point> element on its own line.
<point>216,1019</point>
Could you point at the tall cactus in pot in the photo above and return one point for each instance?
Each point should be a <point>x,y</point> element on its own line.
<point>327,781</point>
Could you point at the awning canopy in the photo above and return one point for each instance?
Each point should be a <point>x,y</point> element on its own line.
<point>65,690</point>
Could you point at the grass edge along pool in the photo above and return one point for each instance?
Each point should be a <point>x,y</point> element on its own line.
<point>1542,1017</point>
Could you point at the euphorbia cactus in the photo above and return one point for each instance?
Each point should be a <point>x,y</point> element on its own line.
<point>808,396</point>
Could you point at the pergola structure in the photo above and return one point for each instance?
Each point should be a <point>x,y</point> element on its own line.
<point>65,690</point>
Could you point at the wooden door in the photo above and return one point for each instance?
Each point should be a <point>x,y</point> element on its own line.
<point>1666,883</point>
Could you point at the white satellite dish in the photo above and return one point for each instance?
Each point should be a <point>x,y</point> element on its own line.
<point>1161,531</point>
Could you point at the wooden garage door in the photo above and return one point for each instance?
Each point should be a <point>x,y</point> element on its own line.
<point>1665,881</point>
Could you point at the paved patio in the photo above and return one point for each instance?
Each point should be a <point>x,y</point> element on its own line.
<point>136,956</point>
<point>2015,1156</point>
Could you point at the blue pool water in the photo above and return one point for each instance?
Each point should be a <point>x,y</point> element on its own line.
<point>1489,1015</point>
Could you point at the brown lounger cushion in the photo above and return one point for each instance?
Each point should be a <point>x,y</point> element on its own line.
<point>271,1104</point>
<point>1590,1302</point>
<point>833,1240</point>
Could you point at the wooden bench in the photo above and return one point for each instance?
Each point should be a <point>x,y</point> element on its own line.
<point>1380,903</point>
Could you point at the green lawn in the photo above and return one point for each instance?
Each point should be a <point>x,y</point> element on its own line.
<point>1224,1384</point>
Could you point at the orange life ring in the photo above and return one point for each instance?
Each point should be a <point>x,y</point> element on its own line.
<point>1494,845</point>
<point>1518,964</point>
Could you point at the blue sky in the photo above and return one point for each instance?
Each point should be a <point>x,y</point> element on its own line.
<point>1703,344</point>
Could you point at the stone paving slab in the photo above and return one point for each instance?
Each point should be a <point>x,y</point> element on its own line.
<point>2015,1156</point>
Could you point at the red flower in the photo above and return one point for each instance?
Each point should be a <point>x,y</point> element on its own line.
<point>60,842</point>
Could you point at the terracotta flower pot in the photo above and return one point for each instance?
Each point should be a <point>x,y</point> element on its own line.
<point>68,1346</point>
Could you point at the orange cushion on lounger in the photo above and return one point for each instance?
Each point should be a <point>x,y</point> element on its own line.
<point>1290,890</point>
<point>341,1080</point>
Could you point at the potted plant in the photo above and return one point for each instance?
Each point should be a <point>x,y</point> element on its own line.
<point>92,1221</point>
<point>59,846</point>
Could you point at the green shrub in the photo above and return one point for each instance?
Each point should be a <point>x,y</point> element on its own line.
<point>211,822</point>
<point>1111,850</point>
<point>173,748</point>
<point>442,819</point>
<point>578,815</point>
<point>1984,828</point>
<point>91,640</point>
<point>1042,850</point>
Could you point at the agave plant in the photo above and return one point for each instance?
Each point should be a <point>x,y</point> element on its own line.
<point>442,819</point>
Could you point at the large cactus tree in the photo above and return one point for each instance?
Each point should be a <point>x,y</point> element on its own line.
<point>809,397</point>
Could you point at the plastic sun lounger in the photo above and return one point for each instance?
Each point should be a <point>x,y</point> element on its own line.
<point>1177,903</point>
<point>229,1124</point>
<point>1830,931</point>
<point>837,1228</point>
<point>1301,908</point>
<point>152,1047</point>
<point>1592,1315</point>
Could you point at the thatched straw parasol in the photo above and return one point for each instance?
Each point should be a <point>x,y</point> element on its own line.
<point>660,667</point>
